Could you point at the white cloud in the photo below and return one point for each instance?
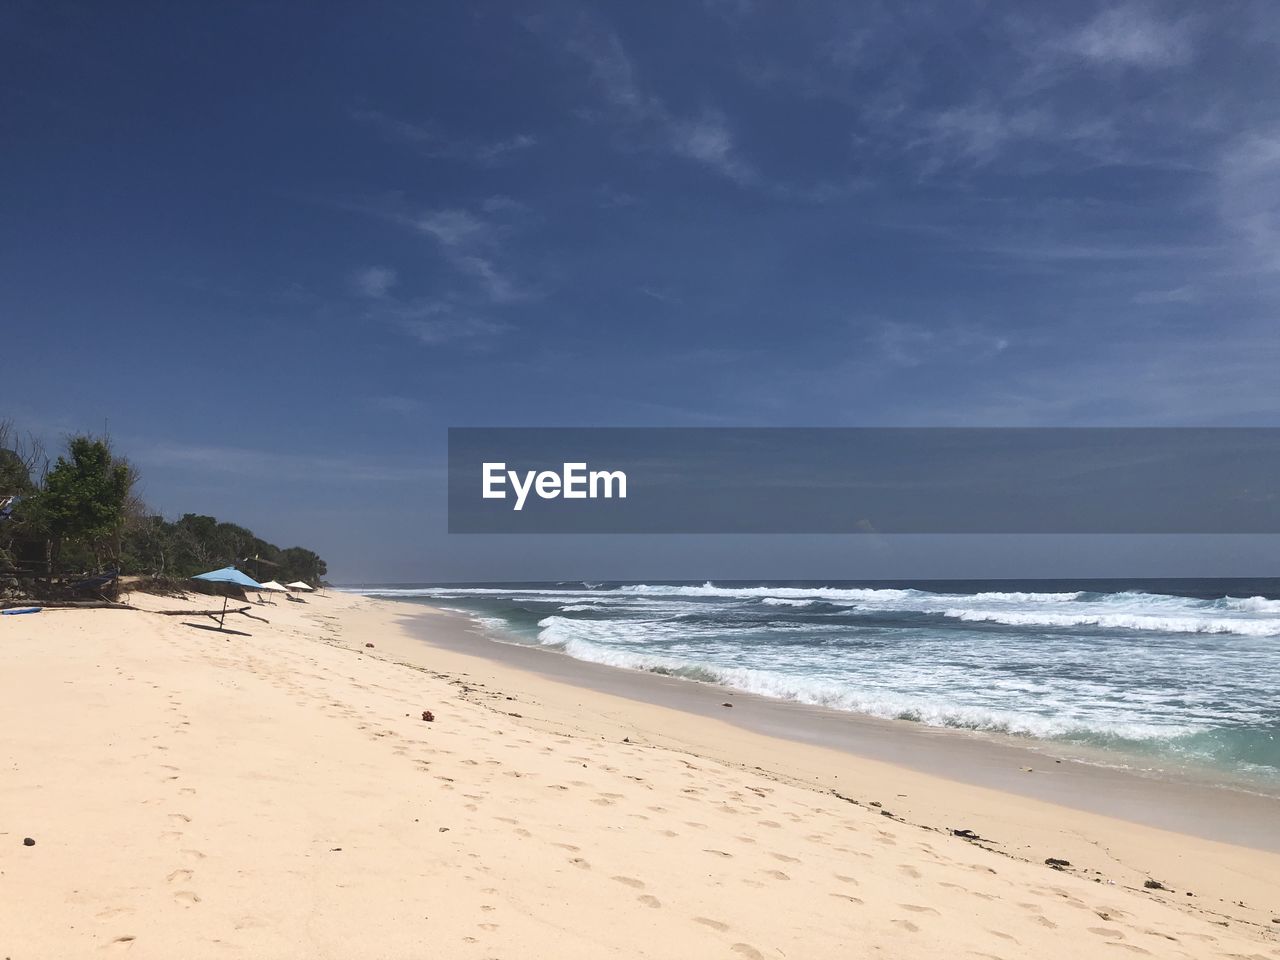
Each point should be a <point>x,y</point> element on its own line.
<point>705,139</point>
<point>455,229</point>
<point>470,244</point>
<point>1132,35</point>
<point>374,282</point>
<point>914,344</point>
<point>437,146</point>
<point>709,141</point>
<point>451,329</point>
<point>1249,195</point>
<point>1183,294</point>
<point>977,133</point>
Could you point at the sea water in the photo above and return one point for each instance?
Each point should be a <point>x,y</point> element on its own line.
<point>1166,672</point>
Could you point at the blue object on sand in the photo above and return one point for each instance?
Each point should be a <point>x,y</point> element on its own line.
<point>17,610</point>
<point>229,575</point>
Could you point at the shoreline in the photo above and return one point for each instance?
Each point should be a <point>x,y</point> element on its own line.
<point>1191,804</point>
<point>273,791</point>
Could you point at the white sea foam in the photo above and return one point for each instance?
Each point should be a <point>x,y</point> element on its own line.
<point>1023,597</point>
<point>709,589</point>
<point>1249,604</point>
<point>580,640</point>
<point>1120,621</point>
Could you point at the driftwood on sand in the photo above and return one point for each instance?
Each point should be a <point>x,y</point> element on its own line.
<point>111,605</point>
<point>67,605</point>
<point>243,611</point>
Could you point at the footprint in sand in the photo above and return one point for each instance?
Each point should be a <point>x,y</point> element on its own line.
<point>110,913</point>
<point>120,943</point>
<point>776,874</point>
<point>718,853</point>
<point>845,896</point>
<point>649,900</point>
<point>910,871</point>
<point>180,875</point>
<point>580,863</point>
<point>747,950</point>
<point>907,925</point>
<point>713,924</point>
<point>784,858</point>
<point>186,898</point>
<point>916,908</point>
<point>630,882</point>
<point>1108,932</point>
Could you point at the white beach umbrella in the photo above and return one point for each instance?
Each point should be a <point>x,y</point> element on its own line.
<point>299,585</point>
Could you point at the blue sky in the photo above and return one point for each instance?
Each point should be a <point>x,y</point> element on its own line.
<point>276,249</point>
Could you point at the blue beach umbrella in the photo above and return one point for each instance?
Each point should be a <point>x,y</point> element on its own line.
<point>228,575</point>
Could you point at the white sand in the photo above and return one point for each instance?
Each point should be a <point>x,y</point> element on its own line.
<point>278,795</point>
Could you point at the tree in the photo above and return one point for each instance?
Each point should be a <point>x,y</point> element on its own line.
<point>299,563</point>
<point>22,462</point>
<point>83,500</point>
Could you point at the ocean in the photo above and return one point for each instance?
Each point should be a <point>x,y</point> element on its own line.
<point>1163,674</point>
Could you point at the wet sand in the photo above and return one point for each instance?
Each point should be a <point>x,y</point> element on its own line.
<point>1185,802</point>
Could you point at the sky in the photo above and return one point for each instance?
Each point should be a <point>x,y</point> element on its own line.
<point>275,250</point>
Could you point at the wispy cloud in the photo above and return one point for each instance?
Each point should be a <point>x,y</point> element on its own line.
<point>703,137</point>
<point>1133,34</point>
<point>1183,294</point>
<point>474,331</point>
<point>915,344</point>
<point>437,146</point>
<point>270,465</point>
<point>472,244</point>
<point>1249,195</point>
<point>374,282</point>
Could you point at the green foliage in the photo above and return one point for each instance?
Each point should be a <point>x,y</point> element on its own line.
<point>14,476</point>
<point>83,518</point>
<point>84,494</point>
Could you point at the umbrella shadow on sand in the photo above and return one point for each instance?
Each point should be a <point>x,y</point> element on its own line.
<point>225,631</point>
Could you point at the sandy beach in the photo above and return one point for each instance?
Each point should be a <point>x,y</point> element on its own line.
<point>274,791</point>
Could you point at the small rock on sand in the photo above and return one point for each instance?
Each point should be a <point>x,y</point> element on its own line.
<point>428,716</point>
<point>28,842</point>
